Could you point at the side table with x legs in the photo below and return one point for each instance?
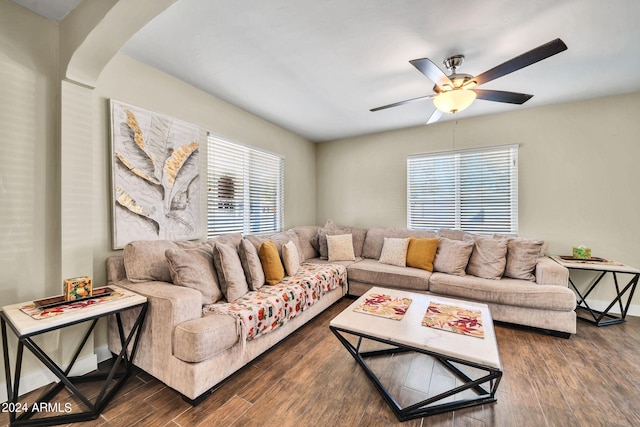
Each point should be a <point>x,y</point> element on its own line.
<point>602,267</point>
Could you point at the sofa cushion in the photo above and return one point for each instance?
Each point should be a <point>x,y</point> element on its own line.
<point>451,233</point>
<point>306,233</point>
<point>290,258</point>
<point>278,239</point>
<point>231,238</point>
<point>452,256</point>
<point>519,293</point>
<point>374,240</point>
<point>357,240</point>
<point>340,247</point>
<point>251,264</point>
<point>199,339</point>
<point>385,275</point>
<point>193,268</point>
<point>230,273</point>
<point>259,312</point>
<point>316,280</point>
<point>394,251</point>
<point>271,263</point>
<point>145,260</point>
<point>522,256</point>
<point>489,258</point>
<point>326,261</point>
<point>421,252</point>
<point>358,235</point>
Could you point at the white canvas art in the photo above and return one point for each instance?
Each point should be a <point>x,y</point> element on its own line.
<point>156,176</point>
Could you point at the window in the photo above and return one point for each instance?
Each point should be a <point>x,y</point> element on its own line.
<point>245,189</point>
<point>471,190</point>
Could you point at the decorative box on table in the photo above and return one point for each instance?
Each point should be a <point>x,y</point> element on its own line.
<point>77,288</point>
<point>582,252</point>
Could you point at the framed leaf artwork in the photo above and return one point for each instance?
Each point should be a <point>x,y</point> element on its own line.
<point>155,176</point>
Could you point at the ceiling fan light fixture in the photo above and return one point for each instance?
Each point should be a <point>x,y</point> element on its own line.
<point>454,100</point>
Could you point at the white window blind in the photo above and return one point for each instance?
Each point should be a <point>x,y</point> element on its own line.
<point>245,189</point>
<point>472,190</point>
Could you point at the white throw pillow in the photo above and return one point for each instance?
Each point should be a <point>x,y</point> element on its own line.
<point>290,258</point>
<point>340,247</point>
<point>394,251</point>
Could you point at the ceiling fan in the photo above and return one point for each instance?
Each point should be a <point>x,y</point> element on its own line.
<point>456,91</point>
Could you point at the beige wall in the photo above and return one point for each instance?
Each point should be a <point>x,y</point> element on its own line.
<point>578,178</point>
<point>125,79</point>
<point>29,162</point>
<point>29,89</point>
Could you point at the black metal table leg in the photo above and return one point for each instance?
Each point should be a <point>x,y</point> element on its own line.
<point>604,317</point>
<point>432,405</point>
<point>25,417</point>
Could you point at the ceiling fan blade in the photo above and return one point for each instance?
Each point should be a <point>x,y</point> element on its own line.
<point>395,104</point>
<point>531,57</point>
<point>502,96</point>
<point>432,71</point>
<point>435,116</point>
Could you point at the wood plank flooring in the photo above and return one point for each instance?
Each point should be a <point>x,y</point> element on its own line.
<point>592,379</point>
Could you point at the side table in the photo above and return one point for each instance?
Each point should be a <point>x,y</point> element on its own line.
<point>596,317</point>
<point>25,328</point>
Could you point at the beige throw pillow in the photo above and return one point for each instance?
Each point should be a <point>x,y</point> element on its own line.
<point>145,260</point>
<point>489,258</point>
<point>340,248</point>
<point>522,257</point>
<point>322,240</point>
<point>452,256</point>
<point>394,251</point>
<point>193,268</point>
<point>307,233</point>
<point>290,258</point>
<point>230,274</point>
<point>251,264</point>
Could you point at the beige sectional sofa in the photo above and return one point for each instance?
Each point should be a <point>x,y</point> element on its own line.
<point>193,343</point>
<point>542,301</point>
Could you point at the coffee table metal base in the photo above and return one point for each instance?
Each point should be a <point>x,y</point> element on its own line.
<point>432,405</point>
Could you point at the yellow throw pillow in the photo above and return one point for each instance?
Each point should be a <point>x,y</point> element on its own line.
<point>271,263</point>
<point>421,252</point>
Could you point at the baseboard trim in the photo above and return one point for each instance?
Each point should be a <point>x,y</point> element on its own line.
<point>634,309</point>
<point>102,353</point>
<point>42,377</point>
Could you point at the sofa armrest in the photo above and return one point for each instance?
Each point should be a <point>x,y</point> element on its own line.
<point>549,272</point>
<point>169,306</point>
<point>168,303</point>
<point>115,269</point>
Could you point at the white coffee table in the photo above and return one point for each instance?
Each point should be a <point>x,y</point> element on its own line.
<point>454,351</point>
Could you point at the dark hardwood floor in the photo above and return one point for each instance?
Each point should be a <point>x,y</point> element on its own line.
<point>592,379</point>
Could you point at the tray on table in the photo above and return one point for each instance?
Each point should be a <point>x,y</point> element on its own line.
<point>59,300</point>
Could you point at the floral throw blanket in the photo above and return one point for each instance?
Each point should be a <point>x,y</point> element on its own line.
<point>259,312</point>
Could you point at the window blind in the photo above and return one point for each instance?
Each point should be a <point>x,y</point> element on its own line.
<point>245,189</point>
<point>472,190</point>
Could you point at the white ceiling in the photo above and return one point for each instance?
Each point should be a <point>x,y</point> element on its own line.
<point>317,67</point>
<point>54,10</point>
